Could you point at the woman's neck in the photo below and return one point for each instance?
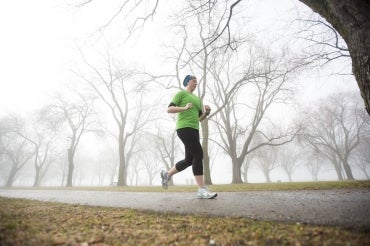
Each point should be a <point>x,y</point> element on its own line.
<point>189,90</point>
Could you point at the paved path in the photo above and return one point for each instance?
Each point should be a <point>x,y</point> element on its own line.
<point>348,207</point>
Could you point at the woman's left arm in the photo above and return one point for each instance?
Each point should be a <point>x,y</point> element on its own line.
<point>207,111</point>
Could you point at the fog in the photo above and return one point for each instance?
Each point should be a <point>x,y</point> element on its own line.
<point>69,72</point>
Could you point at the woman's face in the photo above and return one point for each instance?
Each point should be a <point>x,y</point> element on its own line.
<point>193,84</point>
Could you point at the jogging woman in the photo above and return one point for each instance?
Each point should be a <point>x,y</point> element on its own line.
<point>189,109</point>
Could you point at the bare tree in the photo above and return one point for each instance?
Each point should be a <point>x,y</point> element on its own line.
<point>18,154</point>
<point>77,116</point>
<point>314,163</point>
<point>124,97</point>
<point>41,137</point>
<point>151,166</point>
<point>267,160</point>
<point>134,177</point>
<point>15,148</point>
<point>335,129</point>
<point>239,120</point>
<point>166,146</point>
<point>289,158</point>
<point>111,159</point>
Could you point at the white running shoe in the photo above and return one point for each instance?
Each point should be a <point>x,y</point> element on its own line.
<point>204,193</point>
<point>165,179</point>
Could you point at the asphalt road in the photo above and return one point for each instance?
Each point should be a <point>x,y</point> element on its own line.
<point>345,207</point>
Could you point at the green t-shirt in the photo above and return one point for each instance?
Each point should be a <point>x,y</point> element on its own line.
<point>190,117</point>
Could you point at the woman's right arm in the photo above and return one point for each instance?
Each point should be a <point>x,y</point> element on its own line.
<point>173,109</point>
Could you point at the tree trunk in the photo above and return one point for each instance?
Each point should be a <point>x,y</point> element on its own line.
<point>346,166</point>
<point>267,176</point>
<point>351,19</point>
<point>245,173</point>
<point>122,178</point>
<point>290,177</point>
<point>70,167</point>
<point>315,177</point>
<point>347,170</point>
<point>11,177</point>
<point>37,181</point>
<point>237,174</point>
<point>338,169</point>
<point>206,166</point>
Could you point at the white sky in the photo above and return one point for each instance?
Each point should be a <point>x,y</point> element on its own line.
<point>34,46</point>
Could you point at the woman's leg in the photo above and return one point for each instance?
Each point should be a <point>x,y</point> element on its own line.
<point>189,137</point>
<point>193,154</point>
<point>199,179</point>
<point>172,171</point>
<point>181,165</point>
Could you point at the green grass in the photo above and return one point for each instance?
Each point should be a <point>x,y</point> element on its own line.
<point>27,222</point>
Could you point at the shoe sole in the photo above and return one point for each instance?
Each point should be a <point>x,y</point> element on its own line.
<point>211,197</point>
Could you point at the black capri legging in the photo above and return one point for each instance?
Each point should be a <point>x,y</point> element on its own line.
<point>193,151</point>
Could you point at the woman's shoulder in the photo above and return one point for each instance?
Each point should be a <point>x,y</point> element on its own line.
<point>181,93</point>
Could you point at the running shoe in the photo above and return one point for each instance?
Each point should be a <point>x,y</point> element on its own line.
<point>165,179</point>
<point>204,193</point>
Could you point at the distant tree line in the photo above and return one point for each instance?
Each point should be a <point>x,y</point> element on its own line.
<point>327,136</point>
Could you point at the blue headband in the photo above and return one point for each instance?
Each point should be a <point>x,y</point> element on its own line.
<point>187,79</point>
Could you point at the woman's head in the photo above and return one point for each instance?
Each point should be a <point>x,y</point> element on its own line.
<point>187,79</point>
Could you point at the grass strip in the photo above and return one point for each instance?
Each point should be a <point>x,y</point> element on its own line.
<point>321,185</point>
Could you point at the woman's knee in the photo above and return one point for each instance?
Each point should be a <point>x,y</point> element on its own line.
<point>182,165</point>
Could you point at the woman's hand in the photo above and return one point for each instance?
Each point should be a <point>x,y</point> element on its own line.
<point>207,108</point>
<point>188,106</point>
